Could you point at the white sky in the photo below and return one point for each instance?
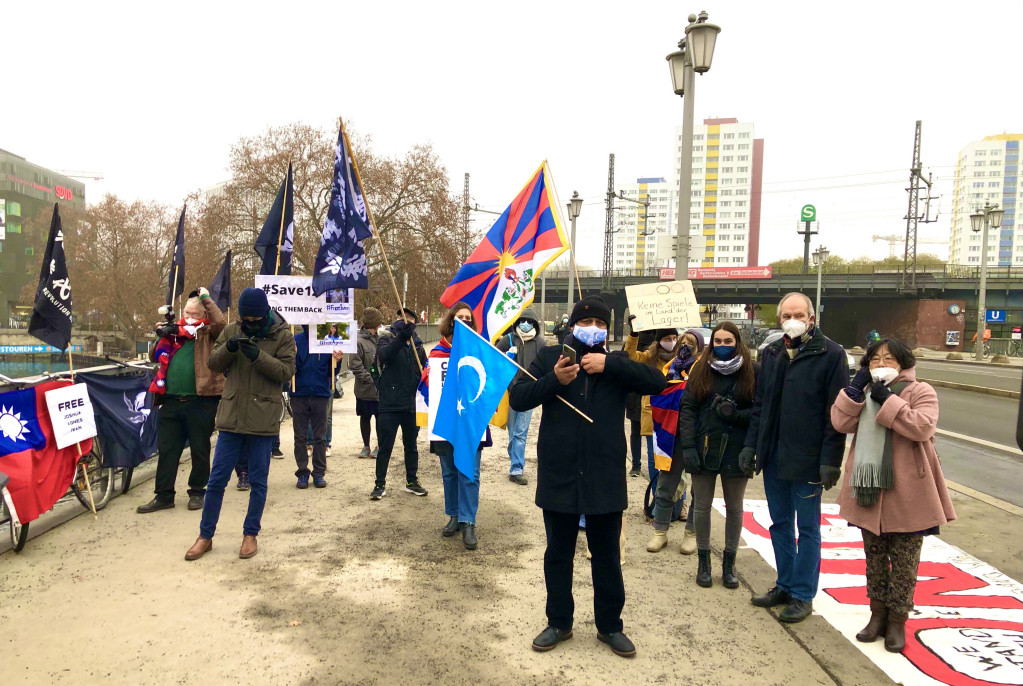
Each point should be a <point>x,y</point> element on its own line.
<point>152,95</point>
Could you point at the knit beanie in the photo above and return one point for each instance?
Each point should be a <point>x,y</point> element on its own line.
<point>591,306</point>
<point>252,303</point>
<point>698,335</point>
<point>372,318</point>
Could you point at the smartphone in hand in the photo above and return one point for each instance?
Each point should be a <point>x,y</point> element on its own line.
<point>569,352</point>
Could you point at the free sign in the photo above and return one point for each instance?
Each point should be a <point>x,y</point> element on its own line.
<point>71,414</point>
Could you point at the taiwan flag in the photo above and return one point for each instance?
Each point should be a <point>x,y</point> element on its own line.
<point>40,474</point>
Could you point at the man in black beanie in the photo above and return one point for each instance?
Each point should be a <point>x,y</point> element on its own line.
<point>581,467</point>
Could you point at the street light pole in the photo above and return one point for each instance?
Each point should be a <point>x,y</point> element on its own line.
<point>820,256</point>
<point>575,208</point>
<point>982,219</point>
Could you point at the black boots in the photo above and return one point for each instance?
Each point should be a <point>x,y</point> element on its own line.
<point>877,626</point>
<point>728,577</point>
<point>703,572</point>
<point>451,528</point>
<point>469,536</point>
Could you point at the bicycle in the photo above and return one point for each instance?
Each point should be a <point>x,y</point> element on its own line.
<point>1015,349</point>
<point>101,479</point>
<point>19,529</point>
<point>987,350</point>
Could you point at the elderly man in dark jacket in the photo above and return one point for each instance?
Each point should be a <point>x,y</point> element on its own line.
<point>581,467</point>
<point>397,350</point>
<point>797,448</point>
<point>522,343</point>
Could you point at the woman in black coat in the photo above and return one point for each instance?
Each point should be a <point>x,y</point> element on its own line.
<point>712,423</point>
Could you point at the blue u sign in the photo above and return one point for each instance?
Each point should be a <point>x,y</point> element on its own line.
<point>996,316</point>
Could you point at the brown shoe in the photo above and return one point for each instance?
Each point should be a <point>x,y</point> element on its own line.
<point>878,624</point>
<point>895,633</point>
<point>248,547</point>
<point>199,548</point>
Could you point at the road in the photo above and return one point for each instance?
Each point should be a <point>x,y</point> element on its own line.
<point>988,375</point>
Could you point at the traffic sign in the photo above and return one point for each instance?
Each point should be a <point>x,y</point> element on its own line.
<point>995,317</point>
<point>808,214</point>
<point>668,273</point>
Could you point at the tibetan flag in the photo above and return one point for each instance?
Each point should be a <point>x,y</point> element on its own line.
<point>664,410</point>
<point>497,281</point>
<point>176,277</point>
<point>440,351</point>
<point>278,232</point>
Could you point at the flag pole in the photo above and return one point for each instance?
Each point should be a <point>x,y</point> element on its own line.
<point>85,473</point>
<point>574,408</point>
<point>174,294</point>
<point>280,233</point>
<point>380,242</point>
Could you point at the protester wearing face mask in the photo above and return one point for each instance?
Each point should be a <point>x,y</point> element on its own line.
<point>893,488</point>
<point>658,353</point>
<point>562,329</point>
<point>187,393</point>
<point>792,440</point>
<point>256,354</point>
<point>522,343</point>
<point>581,467</point>
<point>713,419</point>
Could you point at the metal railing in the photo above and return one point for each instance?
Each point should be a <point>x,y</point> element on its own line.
<point>944,272</point>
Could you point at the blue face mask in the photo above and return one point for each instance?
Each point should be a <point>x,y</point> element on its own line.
<point>589,335</point>
<point>724,352</point>
<point>525,327</point>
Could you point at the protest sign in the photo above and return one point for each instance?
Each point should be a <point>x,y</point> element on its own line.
<point>293,297</point>
<point>663,305</point>
<point>331,336</point>
<point>71,414</point>
<point>438,371</point>
<point>341,305</point>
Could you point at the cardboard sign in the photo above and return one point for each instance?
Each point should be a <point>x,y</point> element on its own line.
<point>663,305</point>
<point>293,297</point>
<point>71,414</point>
<point>341,305</point>
<point>331,336</point>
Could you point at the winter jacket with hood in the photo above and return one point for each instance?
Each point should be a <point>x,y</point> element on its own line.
<point>361,364</point>
<point>526,350</point>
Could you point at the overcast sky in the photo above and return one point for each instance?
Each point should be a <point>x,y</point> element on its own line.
<point>153,95</point>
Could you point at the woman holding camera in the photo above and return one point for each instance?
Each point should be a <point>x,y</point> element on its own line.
<point>712,423</point>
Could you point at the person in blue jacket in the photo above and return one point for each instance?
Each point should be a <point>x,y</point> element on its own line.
<point>310,397</point>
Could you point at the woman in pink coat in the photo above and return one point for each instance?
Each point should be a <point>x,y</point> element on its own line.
<point>893,488</point>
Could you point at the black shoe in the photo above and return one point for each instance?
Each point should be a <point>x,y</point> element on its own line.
<point>469,536</point>
<point>276,454</point>
<point>243,482</point>
<point>635,471</point>
<point>195,502</point>
<point>774,597</point>
<point>451,528</point>
<point>303,482</point>
<point>154,505</point>
<point>319,482</point>
<point>619,642</point>
<point>728,577</point>
<point>518,479</point>
<point>796,611</point>
<point>378,493</point>
<point>414,488</point>
<point>549,638</point>
<point>703,577</point>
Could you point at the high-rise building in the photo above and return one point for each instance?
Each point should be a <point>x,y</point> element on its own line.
<point>638,233</point>
<point>986,174</point>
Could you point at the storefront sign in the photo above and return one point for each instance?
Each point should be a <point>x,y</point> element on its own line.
<point>668,273</point>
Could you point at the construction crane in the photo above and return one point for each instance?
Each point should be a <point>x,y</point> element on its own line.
<point>894,240</point>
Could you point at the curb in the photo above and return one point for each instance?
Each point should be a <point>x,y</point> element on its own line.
<point>998,392</point>
<point>985,498</point>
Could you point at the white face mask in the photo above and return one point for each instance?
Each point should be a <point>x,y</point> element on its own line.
<point>668,346</point>
<point>192,321</point>
<point>884,374</point>
<point>793,328</point>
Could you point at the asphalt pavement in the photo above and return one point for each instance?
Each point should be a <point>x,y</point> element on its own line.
<point>974,374</point>
<point>986,417</point>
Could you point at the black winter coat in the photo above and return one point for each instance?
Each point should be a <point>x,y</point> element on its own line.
<point>399,373</point>
<point>718,440</point>
<point>791,417</point>
<point>581,466</point>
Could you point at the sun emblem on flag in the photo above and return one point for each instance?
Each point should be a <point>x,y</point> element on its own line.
<point>12,426</point>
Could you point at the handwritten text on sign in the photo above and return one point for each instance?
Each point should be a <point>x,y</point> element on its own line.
<point>663,305</point>
<point>71,414</point>
<point>293,297</point>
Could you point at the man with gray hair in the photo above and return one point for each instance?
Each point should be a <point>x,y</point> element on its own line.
<point>791,439</point>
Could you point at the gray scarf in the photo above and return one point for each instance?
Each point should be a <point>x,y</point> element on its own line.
<point>872,469</point>
<point>727,367</point>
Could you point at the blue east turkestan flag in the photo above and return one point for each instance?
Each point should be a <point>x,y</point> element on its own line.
<point>278,232</point>
<point>478,375</point>
<point>176,278</point>
<point>341,260</point>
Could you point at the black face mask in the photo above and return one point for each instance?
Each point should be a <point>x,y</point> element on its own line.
<point>255,327</point>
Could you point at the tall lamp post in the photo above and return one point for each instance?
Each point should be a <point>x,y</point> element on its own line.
<point>983,219</point>
<point>694,55</point>
<point>575,208</point>
<point>820,256</point>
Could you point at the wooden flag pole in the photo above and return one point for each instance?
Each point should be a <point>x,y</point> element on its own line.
<point>575,268</point>
<point>174,297</point>
<point>383,252</point>
<point>85,472</point>
<point>280,233</point>
<point>574,408</point>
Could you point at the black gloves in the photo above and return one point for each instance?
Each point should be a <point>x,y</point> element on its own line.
<point>249,349</point>
<point>691,458</point>
<point>165,330</point>
<point>725,408</point>
<point>403,329</point>
<point>829,476</point>
<point>855,388</point>
<point>232,345</point>
<point>748,461</point>
<point>629,322</point>
<point>879,393</point>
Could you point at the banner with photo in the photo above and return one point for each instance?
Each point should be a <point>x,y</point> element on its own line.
<point>330,336</point>
<point>341,305</point>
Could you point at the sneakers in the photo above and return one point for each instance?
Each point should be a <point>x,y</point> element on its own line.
<point>688,545</point>
<point>518,479</point>
<point>378,493</point>
<point>374,453</point>
<point>364,453</point>
<point>414,488</point>
<point>328,451</point>
<point>549,639</point>
<point>319,482</point>
<point>154,505</point>
<point>277,454</point>
<point>303,481</point>
<point>635,471</point>
<point>619,642</point>
<point>657,542</point>
<point>243,482</point>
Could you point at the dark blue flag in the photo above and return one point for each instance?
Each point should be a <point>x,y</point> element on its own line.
<point>278,231</point>
<point>341,260</point>
<point>176,278</point>
<point>51,312</point>
<point>125,416</point>
<point>220,289</point>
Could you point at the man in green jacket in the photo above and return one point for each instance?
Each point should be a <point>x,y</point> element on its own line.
<point>257,356</point>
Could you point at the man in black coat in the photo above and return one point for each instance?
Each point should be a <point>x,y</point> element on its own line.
<point>581,467</point>
<point>397,349</point>
<point>797,448</point>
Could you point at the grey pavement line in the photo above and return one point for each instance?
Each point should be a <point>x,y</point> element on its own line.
<point>985,390</point>
<point>1012,450</point>
<point>985,498</point>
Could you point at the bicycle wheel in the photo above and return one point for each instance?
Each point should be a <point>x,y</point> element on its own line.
<point>101,479</point>
<point>19,532</point>
<point>126,475</point>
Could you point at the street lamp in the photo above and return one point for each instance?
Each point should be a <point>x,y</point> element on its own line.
<point>983,219</point>
<point>575,208</point>
<point>694,55</point>
<point>820,256</point>
<point>752,308</point>
<point>711,311</point>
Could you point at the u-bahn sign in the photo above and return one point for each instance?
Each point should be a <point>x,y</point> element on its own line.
<point>668,273</point>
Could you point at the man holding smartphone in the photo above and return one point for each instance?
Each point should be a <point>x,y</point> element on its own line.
<point>581,466</point>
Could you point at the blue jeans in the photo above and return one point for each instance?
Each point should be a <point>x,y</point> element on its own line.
<point>330,425</point>
<point>792,504</point>
<point>230,448</point>
<point>518,429</point>
<point>461,496</point>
